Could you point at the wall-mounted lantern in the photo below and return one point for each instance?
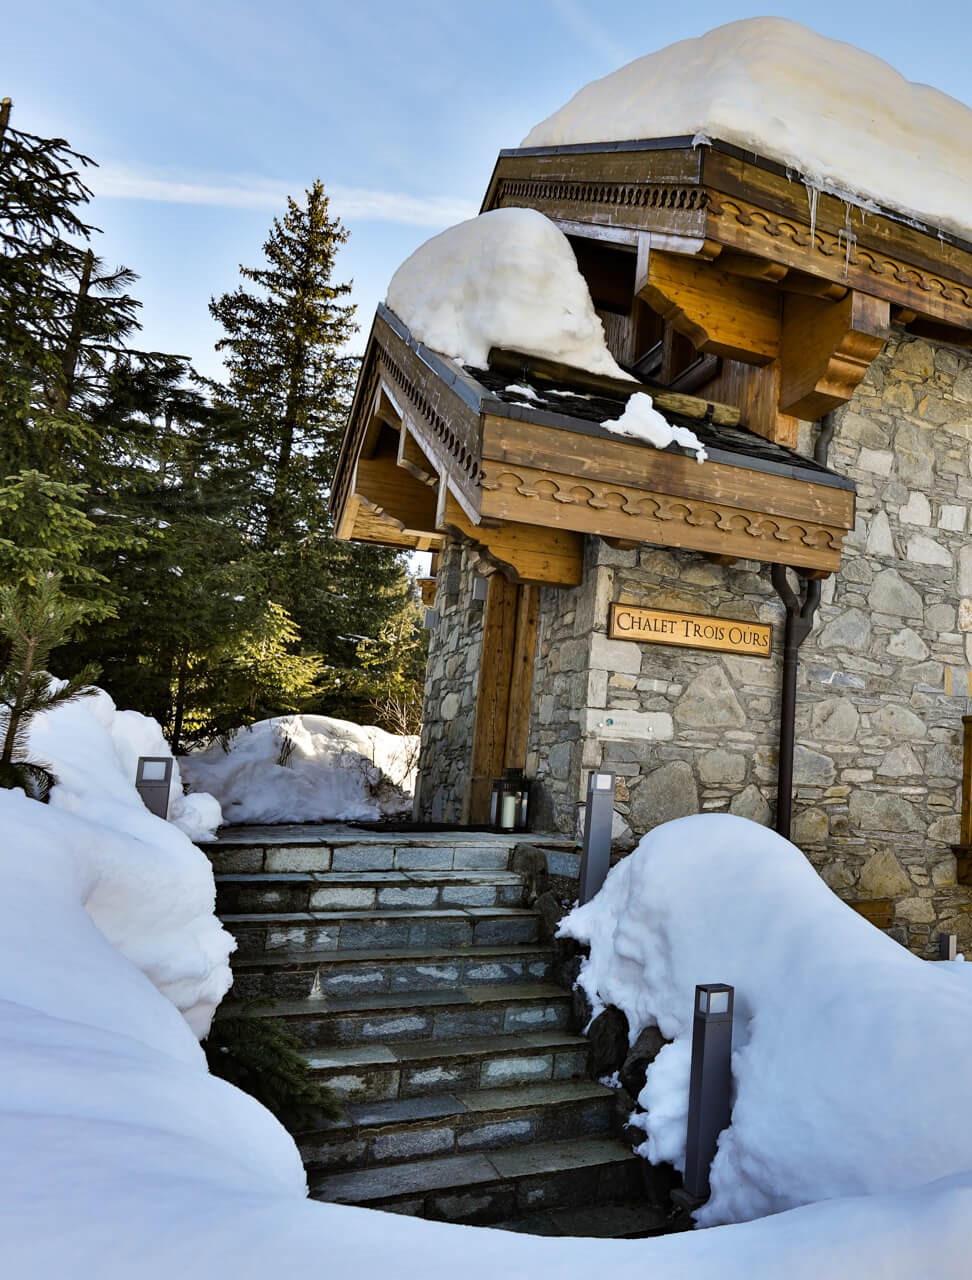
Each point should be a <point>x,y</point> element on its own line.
<point>509,802</point>
<point>152,780</point>
<point>480,589</point>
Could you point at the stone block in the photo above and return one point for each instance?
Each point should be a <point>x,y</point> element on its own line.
<point>908,644</point>
<point>834,720</point>
<point>407,1144</point>
<point>883,877</point>
<point>879,539</point>
<point>900,762</point>
<point>722,767</point>
<point>644,726</point>
<point>896,721</point>
<point>516,1070</point>
<point>709,702</point>
<point>751,803</point>
<point>812,768</point>
<point>363,858</point>
<point>342,898</point>
<point>614,655</point>
<point>417,896</point>
<point>850,629</point>
<point>298,859</point>
<point>486,1137</point>
<point>952,519</point>
<point>878,811</point>
<point>876,461</point>
<point>925,550</point>
<point>667,792</point>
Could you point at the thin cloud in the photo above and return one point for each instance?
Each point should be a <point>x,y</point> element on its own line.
<point>352,204</point>
<point>593,33</point>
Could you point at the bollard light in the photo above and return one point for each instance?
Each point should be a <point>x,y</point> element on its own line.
<point>709,1085</point>
<point>152,778</point>
<point>598,820</point>
<point>947,946</point>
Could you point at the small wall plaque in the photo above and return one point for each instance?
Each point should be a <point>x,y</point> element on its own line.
<point>690,630</point>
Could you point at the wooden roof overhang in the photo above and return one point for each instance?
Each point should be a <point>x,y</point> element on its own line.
<point>794,289</point>
<point>433,449</point>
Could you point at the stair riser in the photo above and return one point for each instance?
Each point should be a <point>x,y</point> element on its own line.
<point>352,979</point>
<point>310,895</point>
<point>235,860</point>
<point>383,1082</point>
<point>440,1023</point>
<point>487,1202</point>
<point>487,1131</point>
<point>371,933</point>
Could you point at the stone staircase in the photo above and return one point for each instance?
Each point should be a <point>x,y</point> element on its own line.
<point>414,979</point>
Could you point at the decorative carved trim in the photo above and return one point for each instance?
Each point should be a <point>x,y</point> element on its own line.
<point>539,497</point>
<point>464,453</point>
<point>620,195</point>
<point>841,248</point>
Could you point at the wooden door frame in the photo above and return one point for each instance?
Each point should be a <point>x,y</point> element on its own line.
<point>504,693</point>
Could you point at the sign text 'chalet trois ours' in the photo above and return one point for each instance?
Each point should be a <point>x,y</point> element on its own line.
<point>691,630</point>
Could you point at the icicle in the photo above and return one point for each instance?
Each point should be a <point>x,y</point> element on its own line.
<point>848,237</point>
<point>813,195</point>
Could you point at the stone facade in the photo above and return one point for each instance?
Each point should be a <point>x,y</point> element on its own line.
<point>455,646</point>
<point>884,676</point>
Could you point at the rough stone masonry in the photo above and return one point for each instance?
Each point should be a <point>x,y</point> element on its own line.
<point>884,676</point>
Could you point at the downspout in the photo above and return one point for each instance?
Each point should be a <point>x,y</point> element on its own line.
<point>800,614</point>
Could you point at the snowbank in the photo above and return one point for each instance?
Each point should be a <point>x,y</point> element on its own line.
<point>142,881</point>
<point>509,279</point>
<point>841,118</point>
<point>308,769</point>
<point>125,1160</point>
<point>850,1054</point>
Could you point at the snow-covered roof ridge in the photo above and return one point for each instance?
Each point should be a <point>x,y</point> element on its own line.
<point>842,119</point>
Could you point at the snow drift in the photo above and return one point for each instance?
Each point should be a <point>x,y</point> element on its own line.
<point>125,1160</point>
<point>143,882</point>
<point>509,279</point>
<point>843,119</point>
<point>308,769</point>
<point>849,1054</point>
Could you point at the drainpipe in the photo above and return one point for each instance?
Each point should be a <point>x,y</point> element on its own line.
<point>800,611</point>
<point>799,624</point>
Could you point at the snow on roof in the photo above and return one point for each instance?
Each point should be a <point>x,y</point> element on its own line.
<point>843,118</point>
<point>508,279</point>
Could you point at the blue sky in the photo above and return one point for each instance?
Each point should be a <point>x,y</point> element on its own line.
<point>203,116</point>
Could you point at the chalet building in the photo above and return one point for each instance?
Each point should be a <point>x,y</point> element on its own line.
<point>783,632</point>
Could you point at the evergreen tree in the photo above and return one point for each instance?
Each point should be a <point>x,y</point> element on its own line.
<point>33,621</point>
<point>291,383</point>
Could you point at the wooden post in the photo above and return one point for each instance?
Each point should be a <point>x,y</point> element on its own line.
<point>966,837</point>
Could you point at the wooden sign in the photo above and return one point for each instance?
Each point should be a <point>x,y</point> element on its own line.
<point>690,630</point>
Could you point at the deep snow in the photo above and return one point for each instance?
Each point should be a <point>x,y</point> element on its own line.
<point>842,118</point>
<point>308,769</point>
<point>850,1056</point>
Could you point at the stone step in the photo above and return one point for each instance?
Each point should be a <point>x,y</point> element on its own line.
<point>417,1068</point>
<point>365,890</point>
<point>482,1010</point>
<point>299,975</point>
<point>269,850</point>
<point>592,1222</point>
<point>452,1123</point>
<point>482,1187</point>
<point>301,931</point>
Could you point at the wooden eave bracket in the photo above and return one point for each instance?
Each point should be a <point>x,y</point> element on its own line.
<point>827,349</point>
<point>533,554</point>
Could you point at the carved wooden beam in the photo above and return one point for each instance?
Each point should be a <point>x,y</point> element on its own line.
<point>412,459</point>
<point>549,557</point>
<point>756,392</point>
<point>827,348</point>
<point>729,315</point>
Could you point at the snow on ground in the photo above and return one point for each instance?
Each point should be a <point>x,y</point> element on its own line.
<point>145,885</point>
<point>308,769</point>
<point>841,118</point>
<point>508,279</point>
<point>642,421</point>
<point>125,1160</point>
<point>850,1055</point>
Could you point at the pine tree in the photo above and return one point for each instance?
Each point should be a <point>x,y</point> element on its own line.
<point>291,383</point>
<point>33,621</point>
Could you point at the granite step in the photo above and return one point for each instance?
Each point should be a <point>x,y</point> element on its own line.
<point>294,850</point>
<point>483,1010</point>
<point>632,1221</point>
<point>299,975</point>
<point>301,931</point>
<point>374,1133</point>
<point>417,1068</point>
<point>484,1187</point>
<point>262,891</point>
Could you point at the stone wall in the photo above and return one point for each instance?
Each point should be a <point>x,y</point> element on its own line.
<point>884,677</point>
<point>455,646</point>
